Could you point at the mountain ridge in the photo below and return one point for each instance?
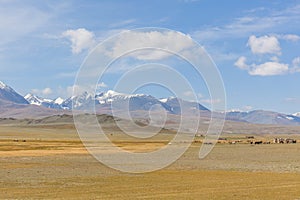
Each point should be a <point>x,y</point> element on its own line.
<point>13,104</point>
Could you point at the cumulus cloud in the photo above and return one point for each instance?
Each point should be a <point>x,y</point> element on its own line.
<point>269,69</point>
<point>169,40</point>
<point>81,39</point>
<point>44,92</point>
<point>241,63</point>
<point>47,91</point>
<point>290,37</point>
<point>264,45</point>
<point>268,45</point>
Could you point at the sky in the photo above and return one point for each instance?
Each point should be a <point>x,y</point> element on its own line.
<point>254,44</point>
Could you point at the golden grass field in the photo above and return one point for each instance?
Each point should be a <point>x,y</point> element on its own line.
<point>50,162</point>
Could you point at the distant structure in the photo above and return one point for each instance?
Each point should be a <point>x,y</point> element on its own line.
<point>283,140</point>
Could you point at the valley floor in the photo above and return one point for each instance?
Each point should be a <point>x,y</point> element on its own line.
<point>53,164</point>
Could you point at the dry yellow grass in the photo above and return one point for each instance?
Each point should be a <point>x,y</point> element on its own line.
<point>53,164</point>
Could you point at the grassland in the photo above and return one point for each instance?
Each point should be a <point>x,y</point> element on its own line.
<point>50,162</point>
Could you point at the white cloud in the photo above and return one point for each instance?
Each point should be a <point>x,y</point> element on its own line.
<point>168,40</point>
<point>47,91</point>
<point>264,44</point>
<point>66,92</point>
<point>269,69</point>
<point>296,65</point>
<point>81,39</point>
<point>267,45</point>
<point>241,63</point>
<point>188,93</point>
<point>247,108</point>
<point>192,94</point>
<point>101,85</point>
<point>42,92</point>
<point>18,19</point>
<point>79,89</point>
<point>290,37</point>
<point>270,21</point>
<point>296,62</point>
<point>35,91</point>
<point>274,59</point>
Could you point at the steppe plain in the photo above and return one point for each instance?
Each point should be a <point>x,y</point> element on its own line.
<point>46,160</point>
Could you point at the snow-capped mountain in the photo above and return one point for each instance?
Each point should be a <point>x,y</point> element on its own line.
<point>110,96</point>
<point>13,104</point>
<point>297,114</point>
<point>116,100</point>
<point>141,102</point>
<point>263,117</point>
<point>135,101</point>
<point>58,100</point>
<point>10,95</point>
<point>145,102</point>
<point>83,101</point>
<point>177,105</point>
<point>35,100</point>
<point>39,101</point>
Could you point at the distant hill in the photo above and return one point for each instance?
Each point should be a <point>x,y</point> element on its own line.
<point>263,117</point>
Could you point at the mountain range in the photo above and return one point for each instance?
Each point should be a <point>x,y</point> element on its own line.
<point>13,104</point>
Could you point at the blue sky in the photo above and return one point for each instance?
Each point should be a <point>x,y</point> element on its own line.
<point>255,44</point>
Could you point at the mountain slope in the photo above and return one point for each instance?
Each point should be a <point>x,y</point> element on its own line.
<point>176,105</point>
<point>14,105</point>
<point>297,114</point>
<point>263,117</point>
<point>10,95</point>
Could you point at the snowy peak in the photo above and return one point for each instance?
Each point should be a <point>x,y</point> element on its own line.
<point>34,100</point>
<point>111,93</point>
<point>163,100</point>
<point>78,102</point>
<point>5,87</point>
<point>2,85</point>
<point>297,114</point>
<point>59,100</point>
<point>177,105</point>
<point>105,100</point>
<point>9,95</point>
<point>39,101</point>
<point>110,96</point>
